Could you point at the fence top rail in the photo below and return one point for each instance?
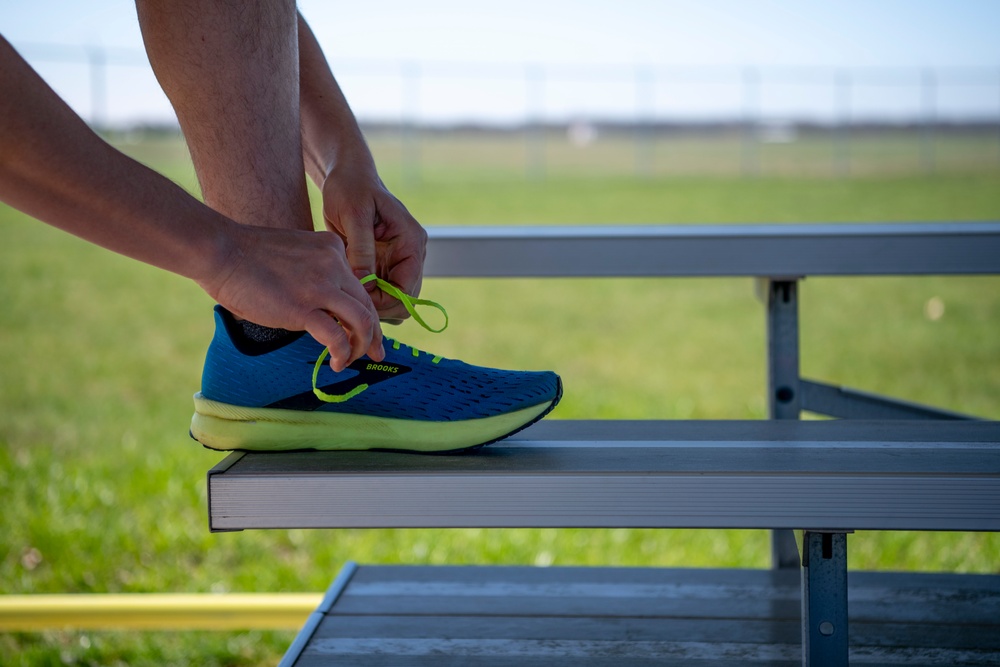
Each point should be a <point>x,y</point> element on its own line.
<point>775,250</point>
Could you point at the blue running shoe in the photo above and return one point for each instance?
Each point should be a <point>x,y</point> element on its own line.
<point>279,396</point>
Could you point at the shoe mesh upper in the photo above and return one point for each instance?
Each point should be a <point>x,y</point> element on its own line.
<point>449,390</point>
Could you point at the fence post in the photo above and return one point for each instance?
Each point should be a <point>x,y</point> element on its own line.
<point>409,129</point>
<point>843,150</point>
<point>751,102</point>
<point>534,126</point>
<point>645,114</point>
<point>929,93</point>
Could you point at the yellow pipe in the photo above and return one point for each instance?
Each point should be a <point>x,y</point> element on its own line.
<point>157,611</point>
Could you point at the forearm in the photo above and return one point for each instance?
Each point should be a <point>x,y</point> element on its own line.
<point>380,234</point>
<point>53,167</point>
<point>330,132</point>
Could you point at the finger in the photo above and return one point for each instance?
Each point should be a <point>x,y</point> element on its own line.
<point>408,276</point>
<point>358,227</point>
<point>375,349</point>
<point>328,332</point>
<point>353,289</point>
<point>389,308</point>
<point>376,352</point>
<point>403,264</point>
<point>360,321</point>
<point>363,299</point>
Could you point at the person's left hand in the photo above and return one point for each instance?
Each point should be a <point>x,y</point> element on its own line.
<point>380,234</point>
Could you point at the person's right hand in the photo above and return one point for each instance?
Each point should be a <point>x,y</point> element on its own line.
<point>379,233</point>
<point>298,280</point>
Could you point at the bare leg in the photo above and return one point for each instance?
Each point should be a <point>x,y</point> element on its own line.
<point>231,71</point>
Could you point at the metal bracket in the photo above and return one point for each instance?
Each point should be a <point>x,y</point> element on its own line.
<point>824,598</point>
<point>784,401</point>
<point>782,382</point>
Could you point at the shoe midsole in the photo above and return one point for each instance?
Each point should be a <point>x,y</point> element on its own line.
<point>223,426</point>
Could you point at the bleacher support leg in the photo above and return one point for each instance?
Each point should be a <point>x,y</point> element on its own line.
<point>824,599</point>
<point>783,389</point>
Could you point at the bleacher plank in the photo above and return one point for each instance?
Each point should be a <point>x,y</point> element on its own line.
<point>490,616</point>
<point>715,250</point>
<point>821,475</point>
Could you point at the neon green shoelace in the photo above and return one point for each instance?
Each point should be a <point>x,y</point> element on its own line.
<point>410,303</point>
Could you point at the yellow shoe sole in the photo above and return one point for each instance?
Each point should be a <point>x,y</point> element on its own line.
<point>226,427</point>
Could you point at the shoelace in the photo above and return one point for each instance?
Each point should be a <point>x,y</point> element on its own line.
<point>410,303</point>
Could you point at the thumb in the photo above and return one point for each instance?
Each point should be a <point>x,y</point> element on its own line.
<point>359,233</point>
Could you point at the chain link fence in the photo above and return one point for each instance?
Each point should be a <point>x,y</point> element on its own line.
<point>448,119</point>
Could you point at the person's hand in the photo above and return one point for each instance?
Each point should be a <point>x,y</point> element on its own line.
<point>380,234</point>
<point>299,281</point>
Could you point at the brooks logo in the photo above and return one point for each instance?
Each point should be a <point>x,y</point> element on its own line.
<point>382,367</point>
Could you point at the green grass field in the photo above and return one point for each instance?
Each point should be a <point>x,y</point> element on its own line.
<point>815,153</point>
<point>102,490</point>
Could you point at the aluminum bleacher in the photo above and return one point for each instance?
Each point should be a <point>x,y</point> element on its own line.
<point>886,465</point>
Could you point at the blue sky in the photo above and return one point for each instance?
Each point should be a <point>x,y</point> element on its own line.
<point>625,33</point>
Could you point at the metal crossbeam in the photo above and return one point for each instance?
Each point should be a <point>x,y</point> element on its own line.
<point>846,403</point>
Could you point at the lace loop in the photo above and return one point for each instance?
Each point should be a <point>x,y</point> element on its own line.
<point>410,303</point>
